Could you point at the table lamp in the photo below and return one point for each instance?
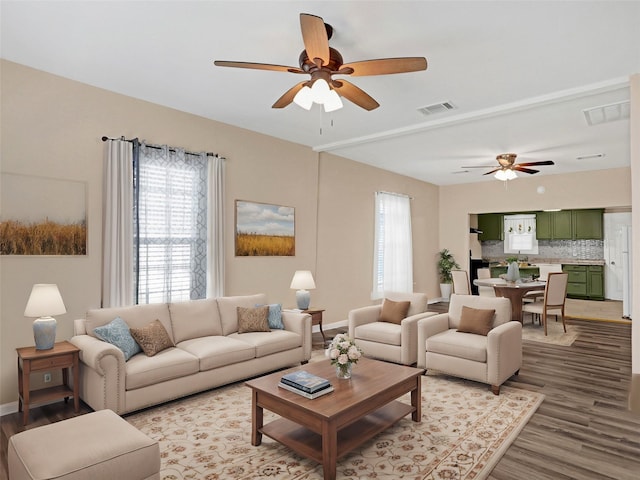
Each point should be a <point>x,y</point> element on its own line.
<point>303,282</point>
<point>45,300</point>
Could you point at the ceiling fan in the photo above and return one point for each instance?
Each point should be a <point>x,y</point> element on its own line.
<point>321,62</point>
<point>508,167</point>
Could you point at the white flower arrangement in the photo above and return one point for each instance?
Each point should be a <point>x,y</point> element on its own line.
<point>343,351</point>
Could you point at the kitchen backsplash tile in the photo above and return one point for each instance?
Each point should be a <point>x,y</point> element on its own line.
<point>550,249</point>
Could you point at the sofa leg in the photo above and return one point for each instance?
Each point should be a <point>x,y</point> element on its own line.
<point>517,372</point>
<point>495,389</point>
<point>304,362</point>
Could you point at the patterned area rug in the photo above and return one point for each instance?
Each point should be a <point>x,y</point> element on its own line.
<point>533,332</point>
<point>465,429</point>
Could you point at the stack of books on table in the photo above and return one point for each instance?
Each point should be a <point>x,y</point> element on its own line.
<point>305,384</point>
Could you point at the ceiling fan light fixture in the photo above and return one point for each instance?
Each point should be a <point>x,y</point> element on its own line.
<point>332,102</point>
<point>320,91</point>
<point>506,174</point>
<point>304,98</point>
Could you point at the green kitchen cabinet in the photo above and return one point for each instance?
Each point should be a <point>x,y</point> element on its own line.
<point>491,225</point>
<point>585,281</point>
<point>554,225</point>
<point>588,224</point>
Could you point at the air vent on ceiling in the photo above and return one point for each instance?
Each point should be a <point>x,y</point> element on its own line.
<point>607,113</point>
<point>436,108</point>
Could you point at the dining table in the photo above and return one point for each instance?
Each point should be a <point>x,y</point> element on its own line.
<point>514,291</point>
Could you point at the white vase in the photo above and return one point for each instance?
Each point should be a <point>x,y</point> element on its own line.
<point>513,272</point>
<point>445,291</point>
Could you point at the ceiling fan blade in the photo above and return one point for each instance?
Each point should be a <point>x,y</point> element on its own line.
<point>258,66</point>
<point>287,98</point>
<point>479,166</point>
<point>525,170</point>
<point>529,164</point>
<point>492,171</point>
<point>356,95</point>
<point>385,66</point>
<point>314,36</point>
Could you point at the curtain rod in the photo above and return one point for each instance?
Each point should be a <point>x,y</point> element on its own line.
<point>209,154</point>
<point>396,194</point>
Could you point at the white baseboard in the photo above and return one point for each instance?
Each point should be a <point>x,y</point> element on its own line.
<point>8,408</point>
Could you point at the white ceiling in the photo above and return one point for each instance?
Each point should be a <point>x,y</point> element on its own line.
<point>520,73</point>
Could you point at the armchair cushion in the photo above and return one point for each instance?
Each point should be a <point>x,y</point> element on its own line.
<point>476,320</point>
<point>394,312</point>
<point>380,332</point>
<point>453,343</point>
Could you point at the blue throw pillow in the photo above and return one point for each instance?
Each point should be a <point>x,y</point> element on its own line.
<point>117,333</point>
<point>275,316</point>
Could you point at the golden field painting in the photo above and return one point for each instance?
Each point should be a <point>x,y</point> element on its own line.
<point>42,216</point>
<point>264,230</point>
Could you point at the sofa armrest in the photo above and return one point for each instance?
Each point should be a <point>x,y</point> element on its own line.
<point>504,352</point>
<point>360,316</point>
<point>427,327</point>
<point>409,336</point>
<point>102,373</point>
<point>299,323</point>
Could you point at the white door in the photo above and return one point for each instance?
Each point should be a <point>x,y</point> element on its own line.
<point>614,230</point>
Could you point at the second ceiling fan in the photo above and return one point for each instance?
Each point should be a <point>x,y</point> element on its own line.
<point>508,167</point>
<point>321,62</point>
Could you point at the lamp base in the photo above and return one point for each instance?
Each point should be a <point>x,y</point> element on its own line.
<point>44,333</point>
<point>303,298</point>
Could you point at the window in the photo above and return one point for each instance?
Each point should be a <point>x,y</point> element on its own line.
<point>170,225</point>
<point>520,234</point>
<point>393,251</point>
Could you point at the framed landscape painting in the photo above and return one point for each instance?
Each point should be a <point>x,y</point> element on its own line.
<point>42,216</point>
<point>264,230</point>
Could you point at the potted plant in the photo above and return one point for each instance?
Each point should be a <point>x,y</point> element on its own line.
<point>446,263</point>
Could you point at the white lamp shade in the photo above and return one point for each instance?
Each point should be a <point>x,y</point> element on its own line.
<point>45,300</point>
<point>302,280</point>
<point>333,102</point>
<point>304,98</point>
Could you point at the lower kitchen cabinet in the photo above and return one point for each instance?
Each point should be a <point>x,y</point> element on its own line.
<point>585,281</point>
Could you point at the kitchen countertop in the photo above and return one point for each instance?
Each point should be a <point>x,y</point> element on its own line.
<point>495,262</point>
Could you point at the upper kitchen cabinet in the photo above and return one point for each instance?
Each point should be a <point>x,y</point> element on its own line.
<point>588,224</point>
<point>554,225</point>
<point>570,225</point>
<point>491,226</point>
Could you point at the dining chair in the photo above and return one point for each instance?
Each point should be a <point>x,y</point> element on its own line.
<point>461,284</point>
<point>555,294</point>
<point>484,273</point>
<point>544,270</point>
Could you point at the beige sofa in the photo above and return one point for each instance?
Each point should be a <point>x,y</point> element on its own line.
<point>208,351</point>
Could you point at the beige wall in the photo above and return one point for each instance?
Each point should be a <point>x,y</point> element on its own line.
<point>51,127</point>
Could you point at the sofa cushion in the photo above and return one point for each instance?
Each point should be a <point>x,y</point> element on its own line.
<point>394,312</point>
<point>457,344</point>
<point>195,318</point>
<point>153,338</point>
<point>476,320</point>
<point>135,316</point>
<point>272,342</point>
<point>379,332</point>
<point>254,319</point>
<point>227,306</point>
<point>166,365</point>
<point>218,351</point>
<point>117,333</point>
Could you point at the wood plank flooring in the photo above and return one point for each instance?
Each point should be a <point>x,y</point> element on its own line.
<point>582,430</point>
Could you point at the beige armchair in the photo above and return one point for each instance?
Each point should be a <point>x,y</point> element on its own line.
<point>490,359</point>
<point>385,340</point>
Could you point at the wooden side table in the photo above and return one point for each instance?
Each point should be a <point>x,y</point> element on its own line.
<point>316,319</point>
<point>64,356</point>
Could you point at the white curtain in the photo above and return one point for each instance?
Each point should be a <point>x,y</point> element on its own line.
<point>117,268</point>
<point>215,229</point>
<point>393,249</point>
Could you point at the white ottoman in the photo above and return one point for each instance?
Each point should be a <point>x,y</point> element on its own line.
<point>95,446</point>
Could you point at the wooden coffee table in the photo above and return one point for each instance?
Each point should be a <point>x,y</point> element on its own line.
<point>326,428</point>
